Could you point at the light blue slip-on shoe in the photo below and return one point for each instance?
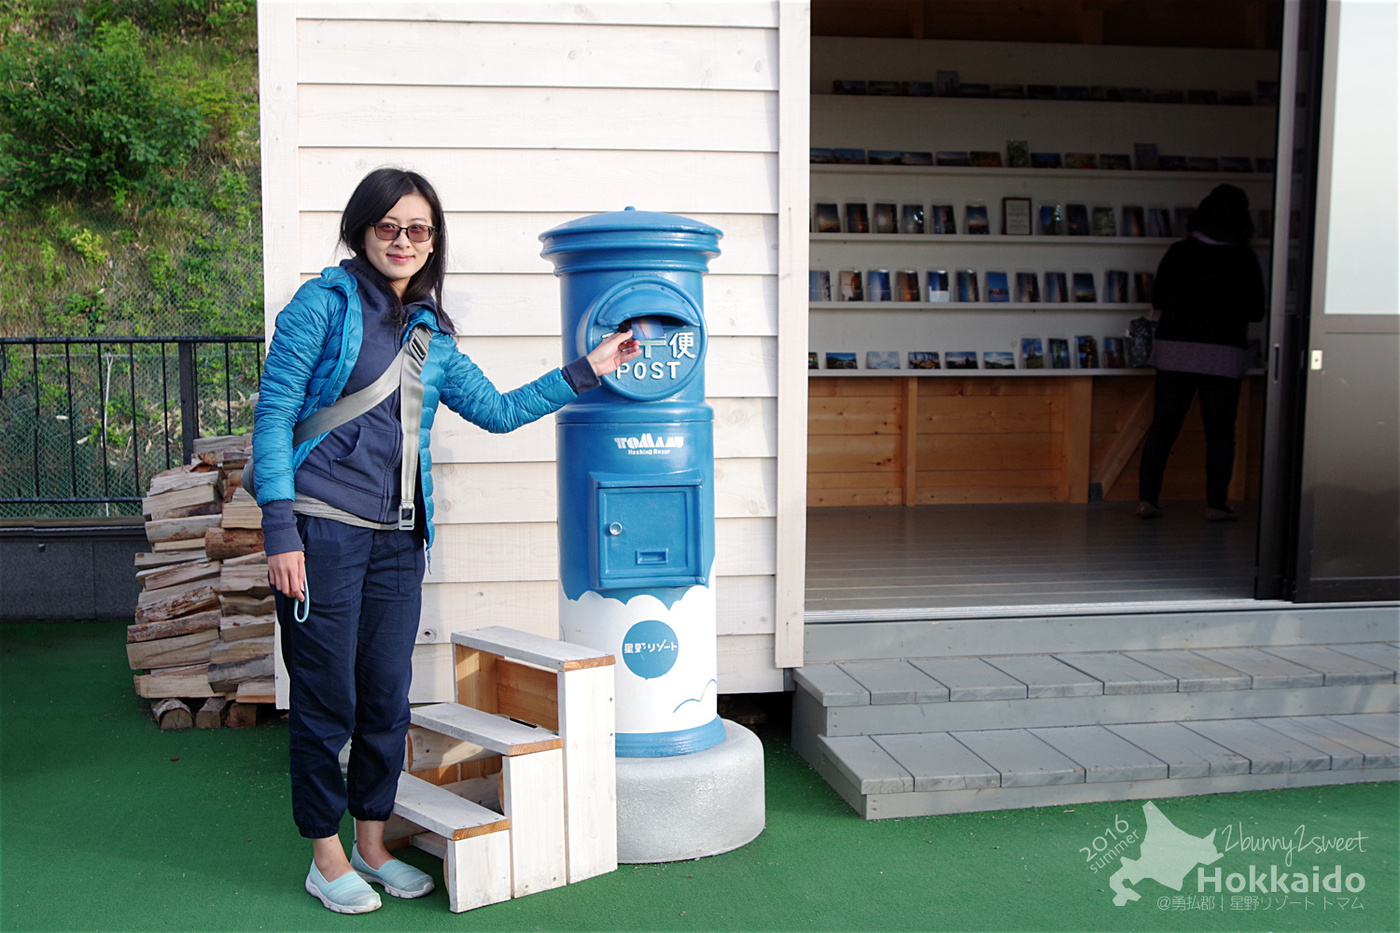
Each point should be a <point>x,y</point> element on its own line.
<point>347,894</point>
<point>398,878</point>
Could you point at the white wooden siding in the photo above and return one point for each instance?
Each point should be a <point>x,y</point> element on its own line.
<point>526,115</point>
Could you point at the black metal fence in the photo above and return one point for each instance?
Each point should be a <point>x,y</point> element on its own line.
<point>85,421</point>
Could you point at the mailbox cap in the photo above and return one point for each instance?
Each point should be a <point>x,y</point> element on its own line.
<point>631,239</point>
<point>632,220</point>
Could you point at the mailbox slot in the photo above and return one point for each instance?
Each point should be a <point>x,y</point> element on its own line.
<point>646,530</point>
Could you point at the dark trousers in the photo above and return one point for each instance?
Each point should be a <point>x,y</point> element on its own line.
<point>349,665</point>
<point>1220,400</point>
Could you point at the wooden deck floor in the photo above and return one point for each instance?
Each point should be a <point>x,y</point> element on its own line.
<point>970,560</point>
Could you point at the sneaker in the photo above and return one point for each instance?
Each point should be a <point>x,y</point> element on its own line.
<point>1146,509</point>
<point>397,878</point>
<point>347,894</point>
<point>1225,514</point>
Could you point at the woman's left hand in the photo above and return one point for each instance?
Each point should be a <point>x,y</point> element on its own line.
<point>612,351</point>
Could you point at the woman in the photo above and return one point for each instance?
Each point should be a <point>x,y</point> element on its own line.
<point>347,579</point>
<point>1208,290</point>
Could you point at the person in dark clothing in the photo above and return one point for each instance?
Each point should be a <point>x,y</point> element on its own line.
<point>348,514</point>
<point>1209,289</point>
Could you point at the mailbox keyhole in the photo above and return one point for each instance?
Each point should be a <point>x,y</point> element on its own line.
<point>615,528</point>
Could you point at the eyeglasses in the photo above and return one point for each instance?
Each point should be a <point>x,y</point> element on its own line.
<point>418,233</point>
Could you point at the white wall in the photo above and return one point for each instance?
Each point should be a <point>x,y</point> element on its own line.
<point>525,115</point>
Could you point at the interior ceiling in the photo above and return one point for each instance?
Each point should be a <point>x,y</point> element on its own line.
<point>1214,24</point>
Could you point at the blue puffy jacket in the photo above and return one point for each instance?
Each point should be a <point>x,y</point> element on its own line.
<point>314,347</point>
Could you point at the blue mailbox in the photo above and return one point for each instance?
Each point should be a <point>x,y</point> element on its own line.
<point>636,473</point>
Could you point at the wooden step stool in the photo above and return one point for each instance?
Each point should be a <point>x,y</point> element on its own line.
<point>539,712</point>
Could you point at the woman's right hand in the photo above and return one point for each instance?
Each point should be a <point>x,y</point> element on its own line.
<point>287,573</point>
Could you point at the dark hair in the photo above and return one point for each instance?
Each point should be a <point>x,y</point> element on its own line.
<point>374,197</point>
<point>1223,215</point>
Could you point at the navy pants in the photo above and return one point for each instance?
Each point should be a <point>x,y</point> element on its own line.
<point>1220,401</point>
<point>349,665</point>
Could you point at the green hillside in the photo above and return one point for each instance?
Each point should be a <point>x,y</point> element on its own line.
<point>129,173</point>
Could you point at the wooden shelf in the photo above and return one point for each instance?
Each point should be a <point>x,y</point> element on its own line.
<point>974,373</point>
<point>1088,174</point>
<point>977,306</point>
<point>992,239</point>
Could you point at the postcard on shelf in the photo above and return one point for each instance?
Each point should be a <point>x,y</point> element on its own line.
<point>1202,164</point>
<point>1115,161</point>
<point>1052,219</point>
<point>946,83</point>
<point>877,285</point>
<point>998,359</point>
<point>850,285</point>
<point>944,220</point>
<point>885,157</point>
<point>1081,160</point>
<point>1032,353</point>
<point>911,218</point>
<point>1084,288</point>
<point>857,218</point>
<point>1264,166</point>
<point>916,158</point>
<point>923,360</point>
<point>937,280</point>
<point>821,156</point>
<point>828,219</point>
<point>1059,353</point>
<point>1113,357</point>
<point>1045,160</point>
<point>906,285</point>
<point>1027,287</point>
<point>1104,222</point>
<point>1169,95</point>
<point>967,285</point>
<point>1236,98</point>
<point>985,158</point>
<point>1236,164</point>
<point>1132,221</point>
<point>997,287</point>
<point>882,88</point>
<point>848,87</point>
<point>1077,220</point>
<point>1009,91</point>
<point>960,359</point>
<point>975,218</point>
<point>1074,92</point>
<point>886,218</point>
<point>953,158</point>
<point>1086,348</point>
<point>1018,153</point>
<point>1171,163</point>
<point>1115,286</point>
<point>916,88</point>
<point>1142,287</point>
<point>1016,216</point>
<point>849,156</point>
<point>1042,92</point>
<point>974,90</point>
<point>1056,291</point>
<point>1145,156</point>
<point>1159,222</point>
<point>819,285</point>
<point>1137,95</point>
<point>812,361</point>
<point>841,361</point>
<point>1106,92</point>
<point>882,359</point>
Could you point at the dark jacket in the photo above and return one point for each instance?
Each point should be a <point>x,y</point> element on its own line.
<point>1208,293</point>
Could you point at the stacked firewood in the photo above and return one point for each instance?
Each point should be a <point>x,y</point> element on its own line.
<point>203,632</point>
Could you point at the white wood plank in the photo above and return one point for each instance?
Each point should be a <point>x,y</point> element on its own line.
<point>441,811</point>
<point>1324,738</point>
<point>1376,752</point>
<point>748,427</point>
<point>636,12</point>
<point>586,724</point>
<point>1266,671</point>
<point>539,55</point>
<point>538,118</point>
<point>1120,674</point>
<point>476,871</point>
<point>1187,754</point>
<point>531,606</point>
<point>432,674</point>
<point>1022,759</point>
<point>1384,726</point>
<point>1193,673</point>
<point>744,605</point>
<point>534,801</point>
<point>745,665</point>
<point>1379,654</point>
<point>868,766</point>
<point>937,761</point>
<point>496,733</point>
<point>485,242</point>
<point>971,679</point>
<point>1046,677</point>
<point>891,682</point>
<point>830,685</point>
<point>1103,755</point>
<point>549,180</point>
<point>1335,667</point>
<point>1268,751</point>
<point>278,117</point>
<point>548,653</point>
<point>429,749</point>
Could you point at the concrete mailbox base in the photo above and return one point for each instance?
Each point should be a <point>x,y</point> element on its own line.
<point>689,806</point>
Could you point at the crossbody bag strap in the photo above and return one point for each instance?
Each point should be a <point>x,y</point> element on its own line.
<point>349,407</point>
<point>413,355</point>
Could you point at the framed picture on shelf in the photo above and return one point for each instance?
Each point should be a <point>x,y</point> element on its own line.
<point>1016,216</point>
<point>921,359</point>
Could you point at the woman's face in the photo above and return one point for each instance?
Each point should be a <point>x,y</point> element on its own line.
<point>399,259</point>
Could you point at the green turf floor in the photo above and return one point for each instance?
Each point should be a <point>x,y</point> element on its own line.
<point>108,824</point>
